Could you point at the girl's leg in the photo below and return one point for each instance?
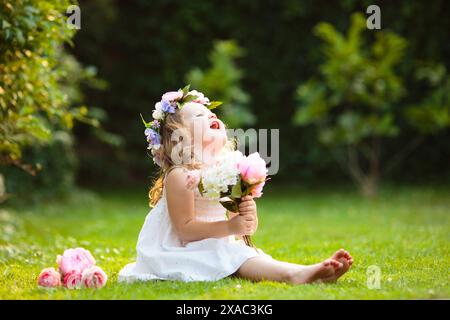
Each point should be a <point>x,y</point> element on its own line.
<point>261,268</point>
<point>341,255</point>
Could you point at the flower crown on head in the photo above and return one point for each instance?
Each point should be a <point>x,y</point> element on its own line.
<point>170,102</point>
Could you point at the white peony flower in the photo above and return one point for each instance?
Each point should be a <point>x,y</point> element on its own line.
<point>200,97</point>
<point>158,113</point>
<point>225,173</point>
<point>196,93</point>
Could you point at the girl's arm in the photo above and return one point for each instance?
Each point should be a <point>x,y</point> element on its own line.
<point>180,202</point>
<point>231,215</point>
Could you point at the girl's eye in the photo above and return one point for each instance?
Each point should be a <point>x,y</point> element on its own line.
<point>200,115</point>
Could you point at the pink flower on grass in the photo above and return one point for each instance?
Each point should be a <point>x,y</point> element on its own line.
<point>76,259</point>
<point>94,277</point>
<point>172,96</point>
<point>72,279</point>
<point>253,169</point>
<point>49,277</point>
<point>192,179</point>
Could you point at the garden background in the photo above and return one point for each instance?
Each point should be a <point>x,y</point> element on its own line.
<point>363,114</point>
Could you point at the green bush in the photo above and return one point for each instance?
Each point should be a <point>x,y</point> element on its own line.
<point>40,96</point>
<point>222,81</point>
<point>56,165</point>
<point>355,99</point>
<point>432,114</point>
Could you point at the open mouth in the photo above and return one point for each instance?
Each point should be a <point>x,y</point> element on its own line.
<point>214,125</point>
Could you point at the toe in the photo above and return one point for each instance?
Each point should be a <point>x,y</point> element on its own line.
<point>338,254</point>
<point>345,263</point>
<point>330,261</point>
<point>336,264</point>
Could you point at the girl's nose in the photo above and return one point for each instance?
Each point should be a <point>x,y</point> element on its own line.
<point>213,116</point>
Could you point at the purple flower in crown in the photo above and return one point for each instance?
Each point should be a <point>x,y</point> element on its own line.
<point>153,137</point>
<point>168,106</point>
<point>155,124</point>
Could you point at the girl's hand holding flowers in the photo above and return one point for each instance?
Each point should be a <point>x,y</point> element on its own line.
<point>248,207</point>
<point>243,224</point>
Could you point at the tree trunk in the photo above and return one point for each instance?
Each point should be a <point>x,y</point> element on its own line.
<point>369,186</point>
<point>3,195</point>
<point>366,180</point>
<point>370,183</point>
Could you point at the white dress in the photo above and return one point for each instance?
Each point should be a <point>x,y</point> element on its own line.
<point>162,255</point>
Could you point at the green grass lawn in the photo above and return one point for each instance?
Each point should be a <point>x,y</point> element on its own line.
<point>405,232</point>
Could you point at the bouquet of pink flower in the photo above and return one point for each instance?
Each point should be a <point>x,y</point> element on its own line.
<point>76,269</point>
<point>232,177</point>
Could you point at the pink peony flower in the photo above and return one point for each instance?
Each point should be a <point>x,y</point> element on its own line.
<point>257,190</point>
<point>192,179</point>
<point>72,279</point>
<point>172,95</point>
<point>253,169</point>
<point>200,97</point>
<point>49,277</point>
<point>202,100</point>
<point>76,259</point>
<point>94,277</point>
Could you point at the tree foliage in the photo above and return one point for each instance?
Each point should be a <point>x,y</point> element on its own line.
<point>38,79</point>
<point>222,81</point>
<point>355,95</point>
<point>432,114</point>
<point>355,100</point>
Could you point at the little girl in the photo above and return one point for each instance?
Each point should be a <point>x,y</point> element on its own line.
<point>188,237</point>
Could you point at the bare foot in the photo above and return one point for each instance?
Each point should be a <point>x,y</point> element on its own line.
<point>343,257</point>
<point>317,272</point>
<point>341,253</point>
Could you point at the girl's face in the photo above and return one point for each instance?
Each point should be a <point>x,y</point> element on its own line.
<point>206,129</point>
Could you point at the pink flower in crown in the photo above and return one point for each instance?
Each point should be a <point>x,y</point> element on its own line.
<point>76,259</point>
<point>253,169</point>
<point>200,97</point>
<point>172,96</point>
<point>72,279</point>
<point>49,277</point>
<point>94,277</point>
<point>257,190</point>
<point>203,100</point>
<point>192,179</point>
